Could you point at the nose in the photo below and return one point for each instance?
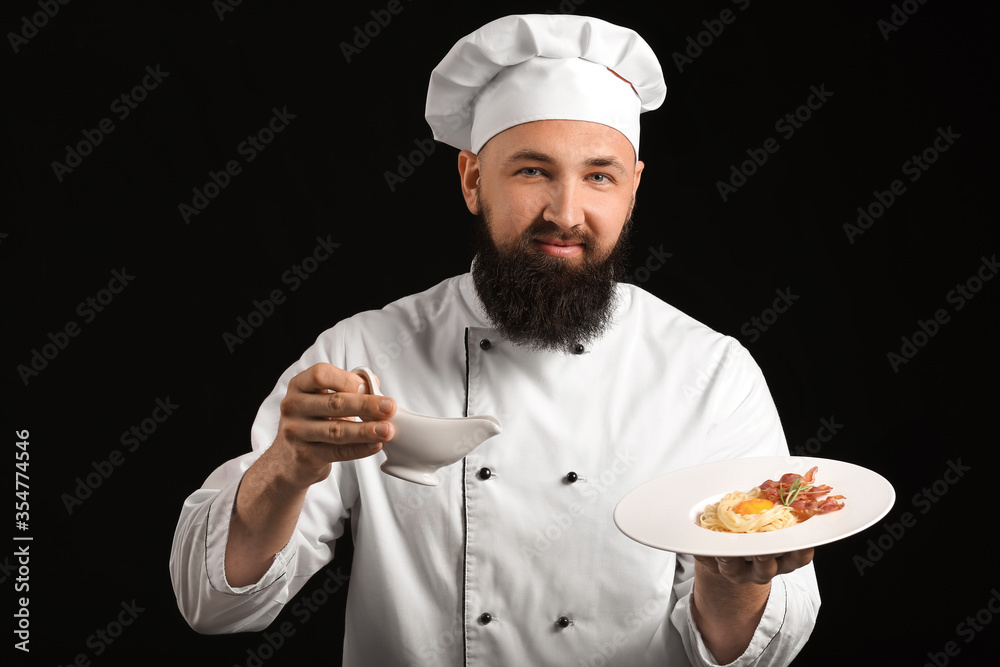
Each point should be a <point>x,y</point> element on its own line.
<point>564,207</point>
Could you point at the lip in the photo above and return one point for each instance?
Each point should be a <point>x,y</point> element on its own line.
<point>557,248</point>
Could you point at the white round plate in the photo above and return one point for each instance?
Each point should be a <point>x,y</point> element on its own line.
<point>663,512</point>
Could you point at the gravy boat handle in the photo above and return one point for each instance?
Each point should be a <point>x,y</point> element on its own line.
<point>369,378</point>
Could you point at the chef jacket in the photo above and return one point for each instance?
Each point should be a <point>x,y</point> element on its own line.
<point>514,558</point>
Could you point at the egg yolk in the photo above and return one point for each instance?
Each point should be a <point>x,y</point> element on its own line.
<point>754,506</point>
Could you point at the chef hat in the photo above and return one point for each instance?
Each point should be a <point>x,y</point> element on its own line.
<point>519,69</point>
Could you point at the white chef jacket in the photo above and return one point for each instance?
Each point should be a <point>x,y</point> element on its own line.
<point>658,392</point>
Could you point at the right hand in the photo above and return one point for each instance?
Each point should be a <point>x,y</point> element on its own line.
<point>317,424</point>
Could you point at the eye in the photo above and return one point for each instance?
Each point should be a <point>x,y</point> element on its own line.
<point>601,178</point>
<point>530,171</point>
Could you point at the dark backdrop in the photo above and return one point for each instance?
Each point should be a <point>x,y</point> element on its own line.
<point>119,301</point>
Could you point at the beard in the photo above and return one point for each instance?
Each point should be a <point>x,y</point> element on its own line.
<point>542,302</point>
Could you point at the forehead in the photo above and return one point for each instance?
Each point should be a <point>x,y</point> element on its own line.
<point>568,141</point>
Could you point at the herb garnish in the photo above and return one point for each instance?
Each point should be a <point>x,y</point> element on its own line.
<point>793,492</point>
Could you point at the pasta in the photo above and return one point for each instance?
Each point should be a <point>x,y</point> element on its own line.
<point>770,506</point>
<point>723,517</point>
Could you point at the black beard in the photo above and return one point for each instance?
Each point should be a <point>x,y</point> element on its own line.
<point>543,302</point>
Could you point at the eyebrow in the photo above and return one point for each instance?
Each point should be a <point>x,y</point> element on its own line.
<point>536,156</point>
<point>606,161</point>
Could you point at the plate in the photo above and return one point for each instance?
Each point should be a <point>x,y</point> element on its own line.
<point>663,512</point>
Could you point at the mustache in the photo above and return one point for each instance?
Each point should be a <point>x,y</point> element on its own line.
<point>553,232</point>
<point>540,302</point>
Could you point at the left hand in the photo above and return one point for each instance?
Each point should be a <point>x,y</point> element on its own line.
<point>757,569</point>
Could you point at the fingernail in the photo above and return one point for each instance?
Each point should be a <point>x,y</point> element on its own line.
<point>362,389</point>
<point>382,430</point>
<point>385,406</point>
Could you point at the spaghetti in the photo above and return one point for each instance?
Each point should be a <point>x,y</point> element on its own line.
<point>770,506</point>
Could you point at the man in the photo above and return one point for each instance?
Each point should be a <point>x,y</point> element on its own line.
<point>514,559</point>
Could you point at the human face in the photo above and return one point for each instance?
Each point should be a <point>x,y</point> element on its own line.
<point>574,181</point>
<point>543,302</point>
<point>546,283</point>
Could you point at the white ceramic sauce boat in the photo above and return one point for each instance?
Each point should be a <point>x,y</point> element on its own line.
<point>422,444</point>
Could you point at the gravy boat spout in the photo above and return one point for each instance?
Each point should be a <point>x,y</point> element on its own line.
<point>422,444</point>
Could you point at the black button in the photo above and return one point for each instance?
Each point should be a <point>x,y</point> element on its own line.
<point>486,618</point>
<point>485,344</point>
<point>572,477</point>
<point>484,473</point>
<point>579,348</point>
<point>563,622</point>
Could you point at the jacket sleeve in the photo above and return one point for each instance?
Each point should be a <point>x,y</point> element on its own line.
<point>748,425</point>
<point>787,622</point>
<point>197,559</point>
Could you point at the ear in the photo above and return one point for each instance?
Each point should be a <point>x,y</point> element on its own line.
<point>468,169</point>
<point>638,174</point>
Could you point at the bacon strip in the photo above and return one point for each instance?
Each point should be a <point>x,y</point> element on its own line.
<point>810,501</point>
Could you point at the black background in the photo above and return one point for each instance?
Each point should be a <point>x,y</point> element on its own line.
<point>324,176</point>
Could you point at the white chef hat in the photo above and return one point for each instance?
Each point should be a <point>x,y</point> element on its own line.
<point>519,69</point>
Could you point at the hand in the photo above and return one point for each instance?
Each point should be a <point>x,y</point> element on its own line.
<point>318,426</point>
<point>730,595</point>
<point>758,569</point>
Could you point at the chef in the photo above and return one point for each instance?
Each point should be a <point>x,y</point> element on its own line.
<point>514,557</point>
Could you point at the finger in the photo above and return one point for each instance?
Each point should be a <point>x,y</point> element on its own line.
<point>710,562</point>
<point>735,569</point>
<point>340,404</point>
<point>339,431</point>
<point>794,560</point>
<point>349,452</point>
<point>323,377</point>
<point>763,569</point>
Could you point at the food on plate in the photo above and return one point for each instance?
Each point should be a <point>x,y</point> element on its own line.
<point>771,505</point>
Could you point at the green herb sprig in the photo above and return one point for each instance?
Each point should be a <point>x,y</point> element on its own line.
<point>794,489</point>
